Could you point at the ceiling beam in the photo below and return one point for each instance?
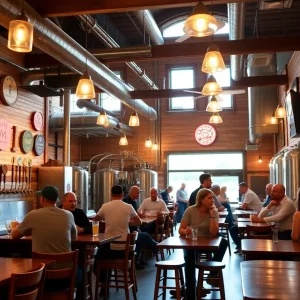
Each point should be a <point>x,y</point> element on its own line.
<point>59,8</point>
<point>255,81</point>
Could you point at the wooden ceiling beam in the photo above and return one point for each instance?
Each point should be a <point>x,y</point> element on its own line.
<point>245,82</point>
<point>60,8</point>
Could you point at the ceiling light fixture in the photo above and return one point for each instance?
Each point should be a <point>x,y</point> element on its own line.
<point>215,119</point>
<point>155,146</point>
<point>123,140</point>
<point>134,118</point>
<point>85,88</point>
<point>259,160</point>
<point>273,119</point>
<point>213,105</point>
<point>102,119</point>
<point>148,142</point>
<point>20,33</point>
<point>213,61</point>
<point>280,112</point>
<point>211,88</point>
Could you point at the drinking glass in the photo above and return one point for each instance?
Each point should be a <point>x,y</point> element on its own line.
<point>275,234</point>
<point>95,227</point>
<point>14,223</point>
<point>194,232</point>
<point>8,227</point>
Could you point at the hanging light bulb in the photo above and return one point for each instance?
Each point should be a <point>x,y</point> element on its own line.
<point>213,61</point>
<point>213,105</point>
<point>134,119</point>
<point>273,119</point>
<point>200,23</point>
<point>20,34</point>
<point>148,143</point>
<point>215,119</point>
<point>123,140</point>
<point>102,119</point>
<point>211,87</point>
<point>280,112</point>
<point>155,146</point>
<point>259,160</point>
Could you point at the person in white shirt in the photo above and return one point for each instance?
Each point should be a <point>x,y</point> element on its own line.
<point>282,208</point>
<point>251,200</point>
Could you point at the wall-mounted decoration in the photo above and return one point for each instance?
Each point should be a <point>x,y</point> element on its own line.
<point>39,144</point>
<point>37,120</point>
<point>15,139</point>
<point>205,134</point>
<point>8,90</point>
<point>5,134</point>
<point>26,141</point>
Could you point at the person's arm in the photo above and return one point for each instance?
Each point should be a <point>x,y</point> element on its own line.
<point>218,205</point>
<point>164,208</point>
<point>99,216</point>
<point>24,228</point>
<point>283,213</point>
<point>244,205</point>
<point>213,221</point>
<point>296,227</point>
<point>164,196</point>
<point>16,234</point>
<point>74,233</point>
<point>141,209</point>
<point>222,200</point>
<point>184,229</point>
<point>86,224</point>
<point>134,218</point>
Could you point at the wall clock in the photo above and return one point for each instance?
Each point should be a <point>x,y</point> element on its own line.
<point>8,90</point>
<point>205,135</point>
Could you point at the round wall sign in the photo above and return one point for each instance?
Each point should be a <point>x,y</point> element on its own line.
<point>5,134</point>
<point>26,141</point>
<point>205,135</point>
<point>37,120</point>
<point>39,144</point>
<point>8,90</point>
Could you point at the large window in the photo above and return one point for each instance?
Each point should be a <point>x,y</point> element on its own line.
<point>182,78</point>
<point>111,103</point>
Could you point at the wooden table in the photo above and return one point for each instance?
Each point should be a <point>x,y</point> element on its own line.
<point>242,213</point>
<point>148,220</point>
<point>243,225</point>
<point>18,265</point>
<point>243,219</point>
<point>223,213</point>
<point>270,280</point>
<point>266,249</point>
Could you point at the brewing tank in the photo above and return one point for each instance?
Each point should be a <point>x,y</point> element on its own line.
<point>278,171</point>
<point>291,167</point>
<point>80,187</point>
<point>147,179</point>
<point>103,181</point>
<point>272,170</point>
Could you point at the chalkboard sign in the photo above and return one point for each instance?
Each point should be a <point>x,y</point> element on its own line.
<point>26,141</point>
<point>39,144</point>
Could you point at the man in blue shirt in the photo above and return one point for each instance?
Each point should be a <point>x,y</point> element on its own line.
<point>166,194</point>
<point>268,194</point>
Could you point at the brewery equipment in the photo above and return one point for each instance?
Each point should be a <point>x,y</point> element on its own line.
<point>81,188</point>
<point>272,170</point>
<point>278,171</point>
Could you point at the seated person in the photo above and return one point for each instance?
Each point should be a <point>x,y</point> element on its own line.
<point>296,222</point>
<point>251,200</point>
<point>165,194</point>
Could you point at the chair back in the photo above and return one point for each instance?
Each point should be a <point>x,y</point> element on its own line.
<point>255,232</point>
<point>62,270</point>
<point>159,228</point>
<point>27,286</point>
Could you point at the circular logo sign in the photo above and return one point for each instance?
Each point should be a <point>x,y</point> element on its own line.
<point>38,120</point>
<point>9,90</point>
<point>205,135</point>
<point>5,134</point>
<point>27,141</point>
<point>39,144</point>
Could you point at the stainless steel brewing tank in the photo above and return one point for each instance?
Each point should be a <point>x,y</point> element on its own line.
<point>80,187</point>
<point>272,170</point>
<point>147,179</point>
<point>103,181</point>
<point>291,167</point>
<point>278,171</point>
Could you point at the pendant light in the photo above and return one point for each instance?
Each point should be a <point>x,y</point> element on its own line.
<point>20,33</point>
<point>85,88</point>
<point>259,159</point>
<point>148,142</point>
<point>211,87</point>
<point>123,140</point>
<point>215,119</point>
<point>155,146</point>
<point>102,119</point>
<point>273,119</point>
<point>200,23</point>
<point>213,61</point>
<point>134,118</point>
<point>213,105</point>
<point>280,112</point>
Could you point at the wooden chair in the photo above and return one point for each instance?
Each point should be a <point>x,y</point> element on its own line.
<point>88,271</point>
<point>255,232</point>
<point>60,276</point>
<point>27,286</point>
<point>223,228</point>
<point>126,264</point>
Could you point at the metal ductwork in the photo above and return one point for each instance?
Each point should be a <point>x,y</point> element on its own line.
<point>107,40</point>
<point>236,20</point>
<point>146,19</point>
<point>262,102</point>
<point>81,103</point>
<point>52,40</point>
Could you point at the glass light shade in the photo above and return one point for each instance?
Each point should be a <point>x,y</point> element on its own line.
<point>259,160</point>
<point>102,119</point>
<point>213,61</point>
<point>123,141</point>
<point>20,35</point>
<point>273,120</point>
<point>148,143</point>
<point>85,88</point>
<point>215,119</point>
<point>155,147</point>
<point>213,105</point>
<point>280,112</point>
<point>134,119</point>
<point>211,88</point>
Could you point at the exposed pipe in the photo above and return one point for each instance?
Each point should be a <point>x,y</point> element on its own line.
<point>102,35</point>
<point>52,40</point>
<point>67,101</point>
<point>82,103</point>
<point>236,22</point>
<point>146,19</point>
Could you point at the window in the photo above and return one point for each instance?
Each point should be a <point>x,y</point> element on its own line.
<point>108,102</point>
<point>223,78</point>
<point>74,108</point>
<point>182,78</point>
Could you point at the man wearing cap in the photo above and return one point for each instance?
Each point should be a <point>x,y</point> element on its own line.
<point>52,228</point>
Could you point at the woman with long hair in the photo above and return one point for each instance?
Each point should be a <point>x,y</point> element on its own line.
<point>296,220</point>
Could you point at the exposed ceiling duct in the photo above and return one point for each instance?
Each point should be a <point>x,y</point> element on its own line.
<point>236,20</point>
<point>146,19</point>
<point>52,40</point>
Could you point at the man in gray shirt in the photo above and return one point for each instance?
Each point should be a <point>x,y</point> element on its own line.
<point>52,229</point>
<point>182,200</point>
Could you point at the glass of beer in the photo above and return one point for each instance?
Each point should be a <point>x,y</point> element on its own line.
<point>95,228</point>
<point>14,223</point>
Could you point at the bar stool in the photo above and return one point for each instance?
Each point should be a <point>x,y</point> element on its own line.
<point>212,266</point>
<point>165,266</point>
